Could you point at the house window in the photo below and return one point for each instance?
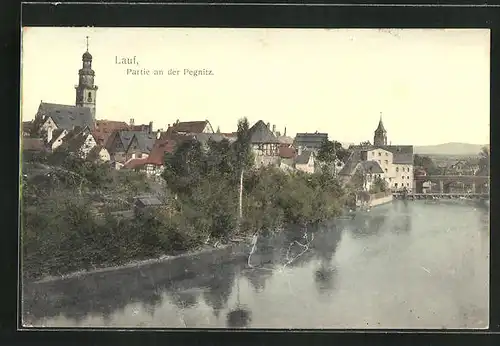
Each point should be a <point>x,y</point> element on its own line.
<point>386,170</point>
<point>386,162</point>
<point>407,184</point>
<point>379,154</point>
<point>395,184</point>
<point>89,97</point>
<point>390,179</point>
<point>397,169</point>
<point>386,154</point>
<point>407,177</point>
<point>403,177</point>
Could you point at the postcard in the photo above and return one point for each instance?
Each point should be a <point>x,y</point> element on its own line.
<point>254,178</point>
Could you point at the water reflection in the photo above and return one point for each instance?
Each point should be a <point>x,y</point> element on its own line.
<point>368,224</point>
<point>324,246</point>
<point>221,289</point>
<point>184,300</point>
<point>240,316</point>
<point>258,278</point>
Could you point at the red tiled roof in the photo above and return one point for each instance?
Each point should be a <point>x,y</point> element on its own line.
<point>161,146</point>
<point>178,137</point>
<point>135,163</point>
<point>139,127</point>
<point>33,144</point>
<point>287,152</point>
<point>104,129</point>
<point>156,156</point>
<point>188,127</point>
<point>27,125</point>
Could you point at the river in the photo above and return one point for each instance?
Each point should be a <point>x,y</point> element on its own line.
<point>406,264</point>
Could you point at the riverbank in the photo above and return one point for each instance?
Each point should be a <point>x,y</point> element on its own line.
<point>380,199</point>
<point>238,247</point>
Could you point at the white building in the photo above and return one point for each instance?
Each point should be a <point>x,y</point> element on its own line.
<point>395,161</point>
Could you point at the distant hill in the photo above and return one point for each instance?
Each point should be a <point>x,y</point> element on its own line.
<point>452,149</point>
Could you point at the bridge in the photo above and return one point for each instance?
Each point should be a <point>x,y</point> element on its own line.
<point>475,182</point>
<point>410,195</point>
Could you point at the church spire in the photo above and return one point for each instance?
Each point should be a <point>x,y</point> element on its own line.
<point>380,127</point>
<point>86,89</point>
<point>380,137</point>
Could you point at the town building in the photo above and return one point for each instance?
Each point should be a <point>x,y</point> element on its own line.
<point>52,116</point>
<point>124,145</point>
<point>105,128</point>
<point>188,127</point>
<point>464,167</point>
<point>395,161</point>
<point>26,127</point>
<point>153,165</point>
<point>54,139</point>
<point>265,145</point>
<point>32,145</point>
<point>305,162</point>
<point>309,141</point>
<point>82,143</point>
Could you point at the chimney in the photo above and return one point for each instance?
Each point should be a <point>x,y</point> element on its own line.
<point>284,134</point>
<point>132,122</point>
<point>150,127</point>
<point>168,126</point>
<point>274,128</point>
<point>158,134</point>
<point>268,125</point>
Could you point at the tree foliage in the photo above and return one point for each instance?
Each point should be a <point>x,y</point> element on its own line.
<point>484,161</point>
<point>330,151</point>
<point>426,163</point>
<point>378,185</point>
<point>66,218</point>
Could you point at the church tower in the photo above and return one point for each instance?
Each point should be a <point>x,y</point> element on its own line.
<point>380,137</point>
<point>86,90</point>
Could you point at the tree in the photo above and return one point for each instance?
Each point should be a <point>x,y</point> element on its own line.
<point>379,185</point>
<point>365,144</point>
<point>426,163</point>
<point>358,180</point>
<point>184,168</point>
<point>331,151</point>
<point>484,161</point>
<point>244,158</point>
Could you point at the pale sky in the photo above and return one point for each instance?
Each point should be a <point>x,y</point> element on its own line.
<point>432,86</point>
